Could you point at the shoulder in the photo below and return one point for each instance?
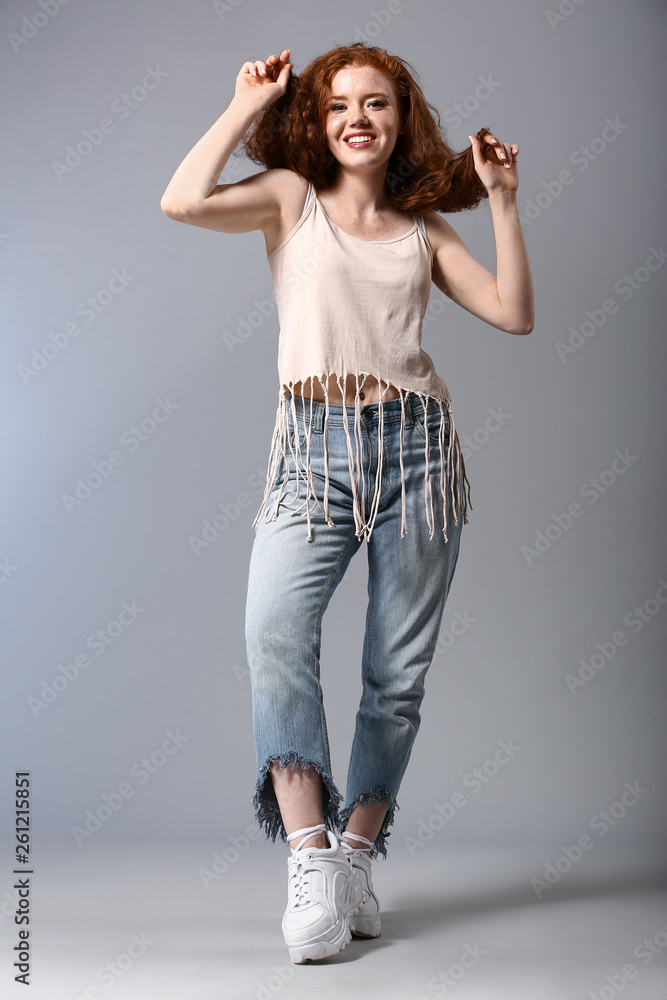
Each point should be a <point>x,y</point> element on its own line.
<point>440,232</point>
<point>289,190</point>
<point>288,186</point>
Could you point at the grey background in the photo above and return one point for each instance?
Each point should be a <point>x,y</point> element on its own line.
<point>181,665</point>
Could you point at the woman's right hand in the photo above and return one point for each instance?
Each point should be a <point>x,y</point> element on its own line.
<point>264,82</point>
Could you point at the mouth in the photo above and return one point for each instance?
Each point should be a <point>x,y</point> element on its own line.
<point>359,142</point>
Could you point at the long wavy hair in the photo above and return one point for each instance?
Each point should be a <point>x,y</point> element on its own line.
<point>423,174</point>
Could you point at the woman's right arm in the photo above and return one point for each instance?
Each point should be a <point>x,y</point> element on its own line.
<point>193,194</point>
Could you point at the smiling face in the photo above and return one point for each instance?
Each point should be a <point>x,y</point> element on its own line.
<point>362,100</point>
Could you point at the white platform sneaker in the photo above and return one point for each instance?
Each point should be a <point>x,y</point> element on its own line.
<point>323,891</point>
<point>366,921</point>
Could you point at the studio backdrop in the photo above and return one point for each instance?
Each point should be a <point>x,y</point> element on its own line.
<point>139,386</point>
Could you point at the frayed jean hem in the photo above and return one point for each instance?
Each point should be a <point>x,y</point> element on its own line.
<point>376,795</point>
<point>265,803</point>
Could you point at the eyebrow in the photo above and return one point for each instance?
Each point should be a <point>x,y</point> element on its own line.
<point>376,93</point>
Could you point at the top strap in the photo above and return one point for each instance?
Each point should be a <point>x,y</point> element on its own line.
<point>310,194</point>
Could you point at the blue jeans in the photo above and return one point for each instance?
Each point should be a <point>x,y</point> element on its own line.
<point>291,583</point>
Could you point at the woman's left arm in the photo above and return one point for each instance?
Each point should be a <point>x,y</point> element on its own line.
<point>514,281</point>
<point>504,300</point>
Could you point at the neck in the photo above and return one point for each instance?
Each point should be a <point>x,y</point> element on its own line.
<point>361,193</point>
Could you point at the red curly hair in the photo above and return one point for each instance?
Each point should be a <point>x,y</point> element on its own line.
<point>423,173</point>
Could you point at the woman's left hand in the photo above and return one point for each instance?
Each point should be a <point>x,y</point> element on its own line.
<point>503,175</point>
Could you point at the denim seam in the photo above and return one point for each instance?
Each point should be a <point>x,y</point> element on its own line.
<point>419,422</point>
<point>318,626</point>
<point>367,639</point>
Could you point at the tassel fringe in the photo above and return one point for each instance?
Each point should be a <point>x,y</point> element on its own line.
<point>453,478</point>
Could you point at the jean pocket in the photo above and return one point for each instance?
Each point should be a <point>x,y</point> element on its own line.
<point>435,419</point>
<point>299,441</point>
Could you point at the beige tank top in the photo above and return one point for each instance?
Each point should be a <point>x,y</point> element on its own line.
<point>352,306</point>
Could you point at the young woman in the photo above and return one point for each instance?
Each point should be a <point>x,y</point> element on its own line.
<point>356,171</point>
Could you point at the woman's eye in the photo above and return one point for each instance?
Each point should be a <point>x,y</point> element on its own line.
<point>334,107</point>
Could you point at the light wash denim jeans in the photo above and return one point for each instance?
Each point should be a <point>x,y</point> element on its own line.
<point>290,584</point>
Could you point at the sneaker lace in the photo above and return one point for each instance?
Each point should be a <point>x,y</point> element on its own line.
<point>299,878</point>
<point>344,840</point>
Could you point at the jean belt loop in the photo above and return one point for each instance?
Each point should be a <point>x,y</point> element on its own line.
<point>412,401</point>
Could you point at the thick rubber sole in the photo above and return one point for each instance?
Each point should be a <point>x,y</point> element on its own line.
<point>339,939</point>
<point>365,927</point>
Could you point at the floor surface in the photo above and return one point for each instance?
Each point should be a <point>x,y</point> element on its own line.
<point>138,920</point>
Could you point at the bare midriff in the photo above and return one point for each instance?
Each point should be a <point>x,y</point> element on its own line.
<point>368,393</point>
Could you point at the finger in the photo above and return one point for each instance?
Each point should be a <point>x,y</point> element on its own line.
<point>498,146</point>
<point>512,151</point>
<point>504,153</point>
<point>276,68</point>
<point>257,67</point>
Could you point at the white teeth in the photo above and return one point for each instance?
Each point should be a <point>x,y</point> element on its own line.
<point>356,141</point>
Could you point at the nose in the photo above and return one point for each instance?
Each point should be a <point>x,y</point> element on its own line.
<point>358,117</point>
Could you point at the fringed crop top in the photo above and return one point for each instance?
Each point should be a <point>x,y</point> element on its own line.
<point>352,306</point>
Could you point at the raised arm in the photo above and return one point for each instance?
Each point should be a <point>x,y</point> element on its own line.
<point>506,299</point>
<point>193,194</point>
